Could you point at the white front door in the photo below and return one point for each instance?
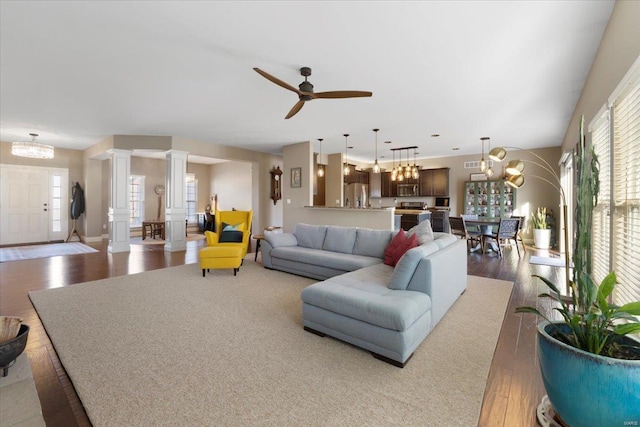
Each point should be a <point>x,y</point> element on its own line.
<point>26,202</point>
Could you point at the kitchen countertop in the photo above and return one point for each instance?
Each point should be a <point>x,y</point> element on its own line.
<point>351,209</point>
<point>411,211</point>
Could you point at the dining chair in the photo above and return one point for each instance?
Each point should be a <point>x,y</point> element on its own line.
<point>209,222</point>
<point>523,221</point>
<point>459,228</point>
<point>507,230</point>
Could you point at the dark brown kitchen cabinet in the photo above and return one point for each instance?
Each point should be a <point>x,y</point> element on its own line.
<point>434,182</point>
<point>385,184</point>
<point>440,221</point>
<point>375,185</point>
<point>356,176</point>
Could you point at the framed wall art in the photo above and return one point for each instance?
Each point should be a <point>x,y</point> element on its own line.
<point>296,177</point>
<point>478,177</point>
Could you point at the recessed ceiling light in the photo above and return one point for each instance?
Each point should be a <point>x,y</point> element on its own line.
<point>455,148</point>
<point>435,135</point>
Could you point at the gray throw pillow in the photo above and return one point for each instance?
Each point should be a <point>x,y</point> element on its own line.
<point>423,231</point>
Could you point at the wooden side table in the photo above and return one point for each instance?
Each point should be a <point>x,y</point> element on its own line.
<point>258,238</point>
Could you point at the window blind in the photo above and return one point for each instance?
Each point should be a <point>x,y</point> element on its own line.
<point>626,190</point>
<point>601,235</point>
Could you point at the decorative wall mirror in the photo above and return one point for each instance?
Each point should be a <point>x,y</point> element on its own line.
<point>276,184</point>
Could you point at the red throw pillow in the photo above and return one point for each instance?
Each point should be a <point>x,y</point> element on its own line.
<point>398,246</point>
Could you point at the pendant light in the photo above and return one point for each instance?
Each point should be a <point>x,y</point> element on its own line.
<point>320,167</point>
<point>483,163</point>
<point>394,172</point>
<point>345,170</point>
<point>376,167</point>
<point>415,173</point>
<point>400,169</point>
<point>489,171</point>
<point>407,169</point>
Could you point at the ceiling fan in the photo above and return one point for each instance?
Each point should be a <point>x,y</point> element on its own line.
<point>305,93</point>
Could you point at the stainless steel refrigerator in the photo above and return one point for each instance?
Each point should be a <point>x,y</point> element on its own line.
<point>356,196</point>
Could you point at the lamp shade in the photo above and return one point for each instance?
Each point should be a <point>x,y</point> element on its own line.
<point>515,167</point>
<point>515,181</point>
<point>497,154</point>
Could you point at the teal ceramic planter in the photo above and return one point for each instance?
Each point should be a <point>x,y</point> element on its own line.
<point>588,390</point>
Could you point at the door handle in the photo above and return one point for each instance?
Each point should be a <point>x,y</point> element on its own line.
<point>45,209</point>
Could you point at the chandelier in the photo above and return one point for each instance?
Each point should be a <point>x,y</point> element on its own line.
<point>408,171</point>
<point>32,149</point>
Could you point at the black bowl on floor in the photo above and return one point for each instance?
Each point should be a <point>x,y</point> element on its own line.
<point>10,350</point>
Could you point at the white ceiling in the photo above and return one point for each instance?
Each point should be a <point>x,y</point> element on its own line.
<point>78,71</point>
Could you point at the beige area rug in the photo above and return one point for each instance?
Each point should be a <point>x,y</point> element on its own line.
<point>149,241</point>
<point>20,253</point>
<point>169,347</point>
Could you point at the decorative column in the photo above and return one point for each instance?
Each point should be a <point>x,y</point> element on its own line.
<point>175,212</point>
<point>119,233</point>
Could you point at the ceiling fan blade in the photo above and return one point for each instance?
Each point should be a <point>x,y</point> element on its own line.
<point>341,94</point>
<point>295,109</point>
<point>277,80</point>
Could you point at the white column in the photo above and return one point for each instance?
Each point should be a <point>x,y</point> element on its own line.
<point>175,212</point>
<point>120,164</point>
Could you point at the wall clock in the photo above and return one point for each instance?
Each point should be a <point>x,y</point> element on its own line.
<point>159,189</point>
<point>276,184</point>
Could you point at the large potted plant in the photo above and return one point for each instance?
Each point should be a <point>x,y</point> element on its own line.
<point>541,230</point>
<point>590,364</point>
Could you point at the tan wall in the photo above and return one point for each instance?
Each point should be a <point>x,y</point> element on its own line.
<point>297,155</point>
<point>231,181</point>
<point>619,48</point>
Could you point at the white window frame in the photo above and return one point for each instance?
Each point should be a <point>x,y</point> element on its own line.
<point>136,200</point>
<point>191,198</point>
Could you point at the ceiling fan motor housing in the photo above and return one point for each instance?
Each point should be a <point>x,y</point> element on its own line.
<point>305,86</point>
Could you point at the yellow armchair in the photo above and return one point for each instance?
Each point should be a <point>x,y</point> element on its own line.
<point>221,254</point>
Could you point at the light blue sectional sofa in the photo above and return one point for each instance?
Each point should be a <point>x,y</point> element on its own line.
<point>388,311</point>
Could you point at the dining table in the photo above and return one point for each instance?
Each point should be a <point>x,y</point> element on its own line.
<point>485,226</point>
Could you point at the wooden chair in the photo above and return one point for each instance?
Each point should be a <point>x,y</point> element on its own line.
<point>523,221</point>
<point>209,222</point>
<point>507,230</point>
<point>459,228</point>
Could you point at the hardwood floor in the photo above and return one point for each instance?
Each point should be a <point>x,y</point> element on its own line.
<point>514,386</point>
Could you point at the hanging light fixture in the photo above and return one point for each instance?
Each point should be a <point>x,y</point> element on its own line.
<point>489,171</point>
<point>32,149</point>
<point>376,167</point>
<point>400,169</point>
<point>320,167</point>
<point>394,172</point>
<point>345,170</point>
<point>407,168</point>
<point>483,163</point>
<point>415,173</point>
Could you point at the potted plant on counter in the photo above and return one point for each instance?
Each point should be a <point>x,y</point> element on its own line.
<point>589,362</point>
<point>541,230</point>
